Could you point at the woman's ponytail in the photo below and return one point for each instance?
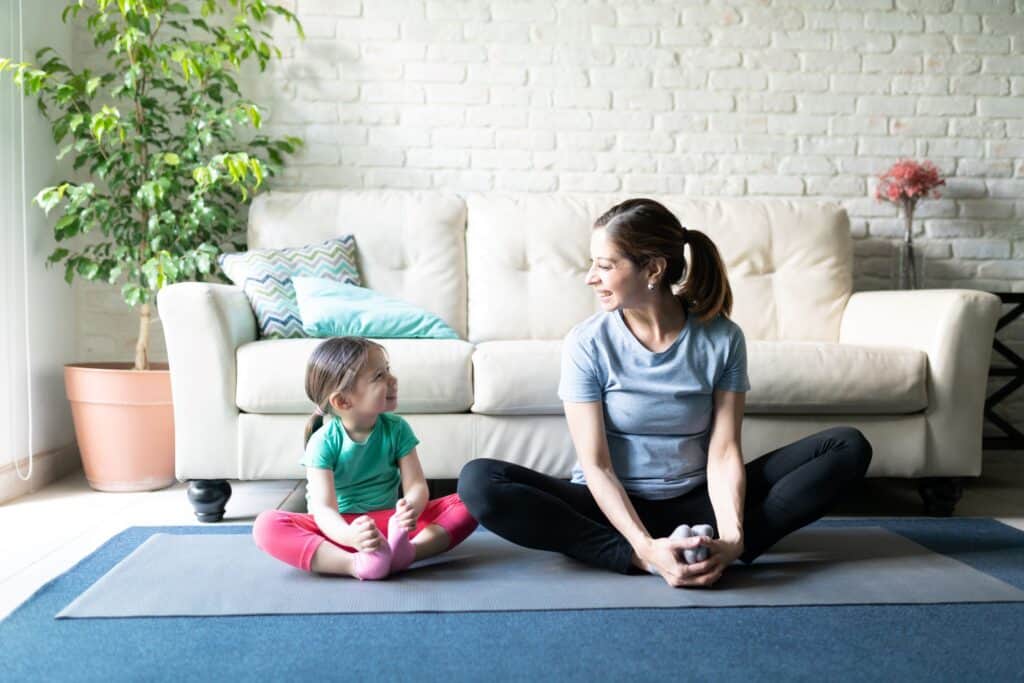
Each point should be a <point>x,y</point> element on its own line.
<point>705,291</point>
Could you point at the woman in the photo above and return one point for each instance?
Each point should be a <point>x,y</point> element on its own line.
<point>653,388</point>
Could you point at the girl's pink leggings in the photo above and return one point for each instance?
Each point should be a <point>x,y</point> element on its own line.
<point>293,537</point>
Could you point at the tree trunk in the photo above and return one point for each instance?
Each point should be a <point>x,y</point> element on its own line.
<point>142,345</point>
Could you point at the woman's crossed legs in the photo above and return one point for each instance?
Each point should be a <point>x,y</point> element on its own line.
<point>787,489</point>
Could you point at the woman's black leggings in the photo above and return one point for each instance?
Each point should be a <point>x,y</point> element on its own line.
<point>787,489</point>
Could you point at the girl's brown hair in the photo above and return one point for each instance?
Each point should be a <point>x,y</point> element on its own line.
<point>333,368</point>
<point>643,229</point>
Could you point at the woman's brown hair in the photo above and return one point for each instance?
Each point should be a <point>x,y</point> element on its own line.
<point>333,368</point>
<point>643,229</point>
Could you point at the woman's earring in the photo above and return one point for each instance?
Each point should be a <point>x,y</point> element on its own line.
<point>650,285</point>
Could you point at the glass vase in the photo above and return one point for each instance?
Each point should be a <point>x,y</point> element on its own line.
<point>909,266</point>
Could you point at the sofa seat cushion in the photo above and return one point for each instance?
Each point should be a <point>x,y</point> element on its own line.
<point>822,378</point>
<point>434,375</point>
<point>521,378</point>
<point>517,377</point>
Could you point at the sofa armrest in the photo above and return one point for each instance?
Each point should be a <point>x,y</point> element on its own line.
<point>955,328</point>
<point>203,326</point>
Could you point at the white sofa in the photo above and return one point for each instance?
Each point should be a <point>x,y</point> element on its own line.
<point>506,271</point>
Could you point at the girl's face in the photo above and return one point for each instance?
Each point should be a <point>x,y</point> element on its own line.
<point>614,278</point>
<point>376,389</point>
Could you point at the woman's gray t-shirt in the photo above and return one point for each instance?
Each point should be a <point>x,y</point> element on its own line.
<point>658,406</point>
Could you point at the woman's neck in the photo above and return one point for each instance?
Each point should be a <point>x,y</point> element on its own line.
<point>659,322</point>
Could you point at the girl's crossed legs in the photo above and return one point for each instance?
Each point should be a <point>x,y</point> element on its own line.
<point>295,537</point>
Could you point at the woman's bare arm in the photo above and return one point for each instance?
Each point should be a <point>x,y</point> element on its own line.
<point>586,426</point>
<point>727,480</point>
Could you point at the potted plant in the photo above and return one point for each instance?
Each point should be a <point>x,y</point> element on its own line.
<point>159,177</point>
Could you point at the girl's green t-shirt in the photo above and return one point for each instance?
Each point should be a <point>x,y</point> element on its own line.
<point>366,474</point>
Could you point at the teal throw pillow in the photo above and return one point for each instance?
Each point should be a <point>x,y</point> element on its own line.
<point>337,309</point>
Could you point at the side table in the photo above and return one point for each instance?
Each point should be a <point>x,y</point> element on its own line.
<point>1012,438</point>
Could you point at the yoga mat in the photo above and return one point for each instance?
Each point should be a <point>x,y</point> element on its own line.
<point>204,575</point>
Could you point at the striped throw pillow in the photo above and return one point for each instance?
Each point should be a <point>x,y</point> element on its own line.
<point>265,275</point>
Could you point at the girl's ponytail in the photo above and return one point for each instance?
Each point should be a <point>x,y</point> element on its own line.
<point>315,422</point>
<point>705,291</point>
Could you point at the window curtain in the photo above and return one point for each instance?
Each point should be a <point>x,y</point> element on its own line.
<point>13,427</point>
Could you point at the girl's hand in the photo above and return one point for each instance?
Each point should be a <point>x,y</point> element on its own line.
<point>405,514</point>
<point>366,536</point>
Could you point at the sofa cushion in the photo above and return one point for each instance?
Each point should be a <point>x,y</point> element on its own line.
<point>521,378</point>
<point>822,378</point>
<point>790,263</point>
<point>412,245</point>
<point>338,309</point>
<point>265,275</point>
<point>517,377</point>
<point>433,375</point>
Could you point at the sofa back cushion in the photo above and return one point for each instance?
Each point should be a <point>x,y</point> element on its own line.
<point>789,262</point>
<point>409,245</point>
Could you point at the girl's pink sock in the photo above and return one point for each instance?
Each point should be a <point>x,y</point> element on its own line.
<point>373,566</point>
<point>402,550</point>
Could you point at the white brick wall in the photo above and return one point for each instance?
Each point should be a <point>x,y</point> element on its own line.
<point>807,98</point>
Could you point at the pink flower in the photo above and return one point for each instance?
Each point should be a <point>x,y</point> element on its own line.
<point>909,181</point>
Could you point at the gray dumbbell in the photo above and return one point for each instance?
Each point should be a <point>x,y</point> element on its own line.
<point>703,530</point>
<point>684,531</point>
<point>693,555</point>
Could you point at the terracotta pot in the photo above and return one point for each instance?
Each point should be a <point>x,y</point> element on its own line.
<point>124,423</point>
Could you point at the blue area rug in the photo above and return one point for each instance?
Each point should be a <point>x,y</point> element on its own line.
<point>878,642</point>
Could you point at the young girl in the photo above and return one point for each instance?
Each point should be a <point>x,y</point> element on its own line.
<point>357,454</point>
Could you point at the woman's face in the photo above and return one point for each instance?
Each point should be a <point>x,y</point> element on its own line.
<point>613,277</point>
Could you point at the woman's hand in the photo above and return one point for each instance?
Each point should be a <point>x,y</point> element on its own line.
<point>666,555</point>
<point>405,514</point>
<point>721,553</point>
<point>366,537</point>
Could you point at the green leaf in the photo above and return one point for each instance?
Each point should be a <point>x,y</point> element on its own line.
<point>254,116</point>
<point>132,294</point>
<point>49,197</point>
<point>66,227</point>
<point>203,176</point>
<point>87,268</point>
<point>172,159</point>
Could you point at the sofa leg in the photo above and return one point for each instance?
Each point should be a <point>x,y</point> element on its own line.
<point>209,497</point>
<point>940,495</point>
